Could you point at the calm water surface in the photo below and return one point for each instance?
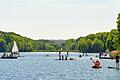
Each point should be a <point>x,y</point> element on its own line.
<point>35,66</point>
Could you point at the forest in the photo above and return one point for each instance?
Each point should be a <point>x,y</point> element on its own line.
<point>92,43</point>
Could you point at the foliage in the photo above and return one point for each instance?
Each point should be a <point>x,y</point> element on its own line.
<point>2,45</point>
<point>70,44</point>
<point>118,27</point>
<point>25,44</point>
<point>118,24</point>
<point>90,43</point>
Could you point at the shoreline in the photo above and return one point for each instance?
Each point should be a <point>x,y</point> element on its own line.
<point>55,51</point>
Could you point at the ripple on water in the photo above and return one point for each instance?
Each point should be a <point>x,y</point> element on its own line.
<point>38,67</point>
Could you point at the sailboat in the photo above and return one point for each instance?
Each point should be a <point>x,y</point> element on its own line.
<point>15,49</point>
<point>13,55</point>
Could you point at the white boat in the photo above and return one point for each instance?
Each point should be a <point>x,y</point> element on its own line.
<point>105,56</point>
<point>13,55</point>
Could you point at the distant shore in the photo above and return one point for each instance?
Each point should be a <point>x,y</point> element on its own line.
<point>56,51</point>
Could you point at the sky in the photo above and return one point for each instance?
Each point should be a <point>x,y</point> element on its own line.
<point>58,19</point>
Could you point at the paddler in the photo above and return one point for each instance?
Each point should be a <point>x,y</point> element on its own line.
<point>96,63</point>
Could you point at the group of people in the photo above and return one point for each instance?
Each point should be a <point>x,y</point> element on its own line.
<point>62,57</point>
<point>96,63</point>
<point>84,54</point>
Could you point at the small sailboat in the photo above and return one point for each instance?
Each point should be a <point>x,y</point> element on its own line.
<point>15,50</point>
<point>13,55</point>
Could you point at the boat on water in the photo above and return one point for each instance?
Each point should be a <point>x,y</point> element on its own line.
<point>96,64</point>
<point>12,55</point>
<point>105,55</point>
<point>96,67</point>
<point>105,58</point>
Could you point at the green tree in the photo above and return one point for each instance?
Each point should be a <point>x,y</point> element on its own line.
<point>91,37</point>
<point>118,27</point>
<point>70,44</point>
<point>112,40</point>
<point>82,45</point>
<point>89,45</point>
<point>97,45</point>
<point>2,45</point>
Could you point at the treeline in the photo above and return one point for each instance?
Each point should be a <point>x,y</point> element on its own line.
<point>25,44</point>
<point>101,41</point>
<point>94,42</point>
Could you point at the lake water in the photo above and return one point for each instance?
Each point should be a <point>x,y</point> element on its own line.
<point>35,66</point>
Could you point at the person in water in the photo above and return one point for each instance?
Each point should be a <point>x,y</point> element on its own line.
<point>96,63</point>
<point>80,56</point>
<point>117,61</point>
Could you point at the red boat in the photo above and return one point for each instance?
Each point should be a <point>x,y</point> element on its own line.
<point>96,67</point>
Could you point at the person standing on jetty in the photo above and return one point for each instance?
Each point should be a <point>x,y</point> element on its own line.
<point>117,61</point>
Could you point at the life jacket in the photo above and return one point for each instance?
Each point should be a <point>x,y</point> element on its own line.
<point>97,63</point>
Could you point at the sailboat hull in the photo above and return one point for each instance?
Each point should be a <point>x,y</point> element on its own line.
<point>8,57</point>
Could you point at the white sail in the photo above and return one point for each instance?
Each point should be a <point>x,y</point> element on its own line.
<point>15,48</point>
